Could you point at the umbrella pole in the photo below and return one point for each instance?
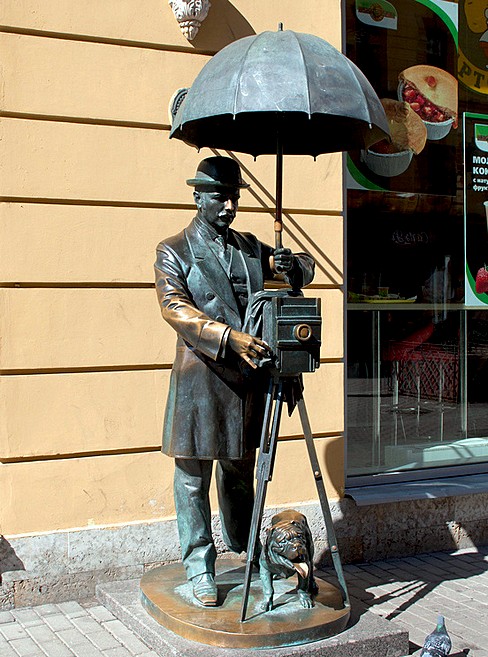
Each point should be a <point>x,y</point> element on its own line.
<point>278,223</point>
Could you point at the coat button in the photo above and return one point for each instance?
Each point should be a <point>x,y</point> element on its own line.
<point>219,318</point>
<point>209,296</point>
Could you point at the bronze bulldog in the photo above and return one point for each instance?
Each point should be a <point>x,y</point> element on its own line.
<point>288,549</point>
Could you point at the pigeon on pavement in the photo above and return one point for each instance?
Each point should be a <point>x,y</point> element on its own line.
<point>438,643</point>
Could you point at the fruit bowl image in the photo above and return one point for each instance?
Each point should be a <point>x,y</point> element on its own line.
<point>389,158</point>
<point>432,93</point>
<point>387,164</point>
<point>436,129</point>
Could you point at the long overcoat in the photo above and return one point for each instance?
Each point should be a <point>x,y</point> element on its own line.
<point>216,402</point>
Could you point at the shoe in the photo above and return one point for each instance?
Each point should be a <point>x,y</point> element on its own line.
<point>205,589</point>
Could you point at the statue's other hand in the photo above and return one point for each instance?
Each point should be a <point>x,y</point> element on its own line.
<point>248,347</point>
<point>282,260</point>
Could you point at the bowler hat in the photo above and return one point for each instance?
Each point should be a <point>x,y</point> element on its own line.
<point>218,173</point>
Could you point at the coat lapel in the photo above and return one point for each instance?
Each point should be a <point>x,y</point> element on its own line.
<point>252,263</point>
<point>211,268</point>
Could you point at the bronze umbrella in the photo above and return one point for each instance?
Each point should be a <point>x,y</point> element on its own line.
<point>280,93</point>
<point>283,93</point>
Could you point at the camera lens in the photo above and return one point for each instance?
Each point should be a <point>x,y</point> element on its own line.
<point>302,332</point>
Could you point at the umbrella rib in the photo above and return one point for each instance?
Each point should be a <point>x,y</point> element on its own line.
<point>358,83</point>
<point>238,85</point>
<point>306,73</point>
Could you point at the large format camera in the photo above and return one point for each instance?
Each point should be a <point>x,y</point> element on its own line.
<point>291,325</point>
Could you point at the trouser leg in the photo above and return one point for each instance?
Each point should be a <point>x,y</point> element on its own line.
<point>191,486</point>
<point>235,488</point>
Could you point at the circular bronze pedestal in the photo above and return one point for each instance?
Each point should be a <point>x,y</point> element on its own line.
<point>167,596</point>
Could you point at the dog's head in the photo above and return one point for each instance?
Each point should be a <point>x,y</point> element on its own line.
<point>289,547</point>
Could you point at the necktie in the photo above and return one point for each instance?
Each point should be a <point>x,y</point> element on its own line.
<point>225,252</point>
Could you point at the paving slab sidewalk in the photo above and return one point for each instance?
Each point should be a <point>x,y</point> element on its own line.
<point>411,591</point>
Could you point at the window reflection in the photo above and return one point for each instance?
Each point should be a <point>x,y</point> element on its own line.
<point>417,359</point>
<point>416,392</point>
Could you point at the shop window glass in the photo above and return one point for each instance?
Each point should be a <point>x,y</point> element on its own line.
<point>417,358</point>
<point>417,328</point>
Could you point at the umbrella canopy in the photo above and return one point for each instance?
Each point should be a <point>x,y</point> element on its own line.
<point>288,83</point>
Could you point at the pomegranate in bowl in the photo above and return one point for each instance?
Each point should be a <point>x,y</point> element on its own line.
<point>432,94</point>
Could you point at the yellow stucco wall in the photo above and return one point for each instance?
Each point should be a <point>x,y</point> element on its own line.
<point>90,183</point>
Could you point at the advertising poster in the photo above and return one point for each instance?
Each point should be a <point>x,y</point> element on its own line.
<point>476,208</point>
<point>473,47</point>
<point>408,51</point>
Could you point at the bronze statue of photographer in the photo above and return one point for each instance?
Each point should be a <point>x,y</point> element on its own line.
<point>205,277</point>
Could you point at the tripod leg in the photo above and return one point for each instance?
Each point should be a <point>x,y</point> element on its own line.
<point>324,503</point>
<point>264,471</point>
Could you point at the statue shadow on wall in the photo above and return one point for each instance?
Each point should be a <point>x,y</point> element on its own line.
<point>324,265</point>
<point>223,25</point>
<point>8,559</point>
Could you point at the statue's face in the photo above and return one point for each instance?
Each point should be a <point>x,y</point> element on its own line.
<point>218,208</point>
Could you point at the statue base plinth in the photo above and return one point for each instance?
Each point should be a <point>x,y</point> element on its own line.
<point>167,597</point>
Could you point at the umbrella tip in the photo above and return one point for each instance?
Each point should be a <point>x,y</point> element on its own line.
<point>280,27</point>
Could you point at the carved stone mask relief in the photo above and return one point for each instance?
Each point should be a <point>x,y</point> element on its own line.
<point>190,14</point>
